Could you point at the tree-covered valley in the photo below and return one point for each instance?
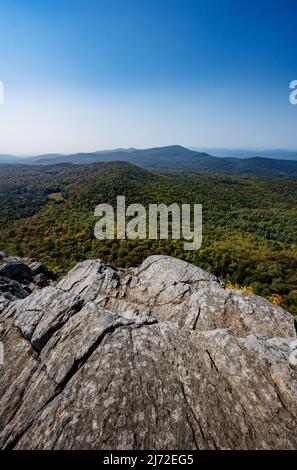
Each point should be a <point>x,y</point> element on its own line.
<point>249,222</point>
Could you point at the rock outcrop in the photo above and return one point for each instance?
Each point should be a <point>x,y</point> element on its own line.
<point>158,357</point>
<point>19,278</point>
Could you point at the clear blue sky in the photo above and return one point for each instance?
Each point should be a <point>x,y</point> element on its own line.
<point>82,75</point>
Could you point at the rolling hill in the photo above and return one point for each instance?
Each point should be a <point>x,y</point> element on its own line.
<point>278,154</point>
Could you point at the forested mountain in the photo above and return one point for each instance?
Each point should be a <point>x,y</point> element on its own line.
<point>249,222</point>
<point>172,157</point>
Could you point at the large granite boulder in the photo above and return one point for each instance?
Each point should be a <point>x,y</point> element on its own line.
<point>158,357</point>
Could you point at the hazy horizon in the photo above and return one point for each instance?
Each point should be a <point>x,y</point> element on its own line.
<point>195,148</point>
<point>84,79</point>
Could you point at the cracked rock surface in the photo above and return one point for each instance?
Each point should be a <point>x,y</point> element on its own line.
<point>157,357</point>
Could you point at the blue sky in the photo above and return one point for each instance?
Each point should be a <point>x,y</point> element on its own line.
<point>93,74</point>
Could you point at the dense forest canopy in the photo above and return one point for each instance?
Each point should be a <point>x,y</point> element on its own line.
<point>249,222</point>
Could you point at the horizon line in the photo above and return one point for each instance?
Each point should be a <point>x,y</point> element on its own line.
<point>193,148</point>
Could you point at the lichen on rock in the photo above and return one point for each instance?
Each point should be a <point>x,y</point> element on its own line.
<point>162,356</point>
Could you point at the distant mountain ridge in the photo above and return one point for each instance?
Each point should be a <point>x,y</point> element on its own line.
<point>278,154</point>
<point>171,151</point>
<point>174,157</point>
